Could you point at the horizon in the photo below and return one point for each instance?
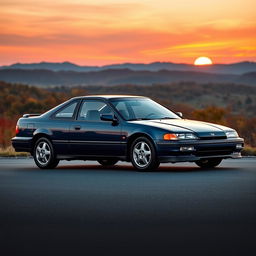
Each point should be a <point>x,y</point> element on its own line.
<point>114,31</point>
<point>122,63</point>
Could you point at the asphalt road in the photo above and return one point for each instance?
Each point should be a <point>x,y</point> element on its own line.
<point>83,208</point>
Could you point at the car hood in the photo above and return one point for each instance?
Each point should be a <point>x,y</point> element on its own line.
<point>202,129</point>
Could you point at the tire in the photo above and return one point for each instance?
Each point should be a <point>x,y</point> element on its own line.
<point>143,155</point>
<point>209,163</point>
<point>44,155</point>
<point>108,162</point>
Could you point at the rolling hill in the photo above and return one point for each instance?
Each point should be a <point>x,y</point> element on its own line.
<point>118,76</point>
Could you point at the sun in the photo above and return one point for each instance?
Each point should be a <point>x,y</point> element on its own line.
<point>203,61</point>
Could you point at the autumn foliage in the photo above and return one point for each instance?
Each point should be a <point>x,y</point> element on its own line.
<point>238,113</point>
<point>246,126</point>
<point>17,99</point>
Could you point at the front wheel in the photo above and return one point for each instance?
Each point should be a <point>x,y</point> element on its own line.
<point>143,155</point>
<point>44,155</point>
<point>208,163</point>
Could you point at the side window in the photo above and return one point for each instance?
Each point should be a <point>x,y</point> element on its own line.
<point>92,109</point>
<point>67,112</point>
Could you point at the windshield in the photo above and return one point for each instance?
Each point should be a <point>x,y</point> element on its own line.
<point>142,109</point>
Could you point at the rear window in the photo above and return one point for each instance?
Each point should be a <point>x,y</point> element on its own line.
<point>67,112</point>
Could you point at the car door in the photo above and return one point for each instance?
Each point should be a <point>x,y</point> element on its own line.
<point>91,136</point>
<point>59,126</point>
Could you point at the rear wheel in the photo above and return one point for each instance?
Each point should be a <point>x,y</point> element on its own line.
<point>108,162</point>
<point>44,155</point>
<point>208,163</point>
<point>143,155</point>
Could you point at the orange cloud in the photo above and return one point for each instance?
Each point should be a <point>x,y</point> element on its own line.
<point>125,31</point>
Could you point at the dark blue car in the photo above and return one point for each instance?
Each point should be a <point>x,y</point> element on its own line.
<point>127,128</point>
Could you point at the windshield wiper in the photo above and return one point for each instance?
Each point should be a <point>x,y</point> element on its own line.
<point>167,117</point>
<point>159,118</point>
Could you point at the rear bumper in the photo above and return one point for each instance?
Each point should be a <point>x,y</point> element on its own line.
<point>170,151</point>
<point>22,144</point>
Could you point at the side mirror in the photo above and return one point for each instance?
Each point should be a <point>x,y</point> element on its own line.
<point>179,114</point>
<point>108,117</point>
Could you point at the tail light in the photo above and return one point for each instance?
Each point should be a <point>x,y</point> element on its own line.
<point>17,129</point>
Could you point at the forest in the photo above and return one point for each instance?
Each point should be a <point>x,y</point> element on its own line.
<point>228,104</point>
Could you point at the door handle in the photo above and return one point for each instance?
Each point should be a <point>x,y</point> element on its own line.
<point>77,127</point>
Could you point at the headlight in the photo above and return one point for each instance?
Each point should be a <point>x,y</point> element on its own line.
<point>231,134</point>
<point>180,136</point>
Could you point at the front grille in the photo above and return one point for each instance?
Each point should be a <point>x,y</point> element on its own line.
<point>218,135</point>
<point>213,138</point>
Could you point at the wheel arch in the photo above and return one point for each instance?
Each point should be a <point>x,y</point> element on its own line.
<point>37,136</point>
<point>134,137</point>
<point>52,162</point>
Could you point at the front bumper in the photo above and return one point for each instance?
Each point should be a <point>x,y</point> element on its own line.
<point>169,151</point>
<point>22,144</point>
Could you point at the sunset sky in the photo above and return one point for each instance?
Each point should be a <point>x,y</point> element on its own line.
<point>102,32</point>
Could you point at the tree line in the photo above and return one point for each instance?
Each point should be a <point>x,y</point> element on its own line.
<point>238,112</point>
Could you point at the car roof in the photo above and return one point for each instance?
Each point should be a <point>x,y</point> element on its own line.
<point>108,96</point>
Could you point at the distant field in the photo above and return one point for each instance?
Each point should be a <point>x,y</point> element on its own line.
<point>44,78</point>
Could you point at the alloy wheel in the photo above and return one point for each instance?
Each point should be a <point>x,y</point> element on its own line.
<point>142,154</point>
<point>43,153</point>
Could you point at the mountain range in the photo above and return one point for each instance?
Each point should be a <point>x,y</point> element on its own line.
<point>69,74</point>
<point>233,68</point>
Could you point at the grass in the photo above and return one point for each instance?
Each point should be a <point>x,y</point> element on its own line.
<point>10,152</point>
<point>249,151</point>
